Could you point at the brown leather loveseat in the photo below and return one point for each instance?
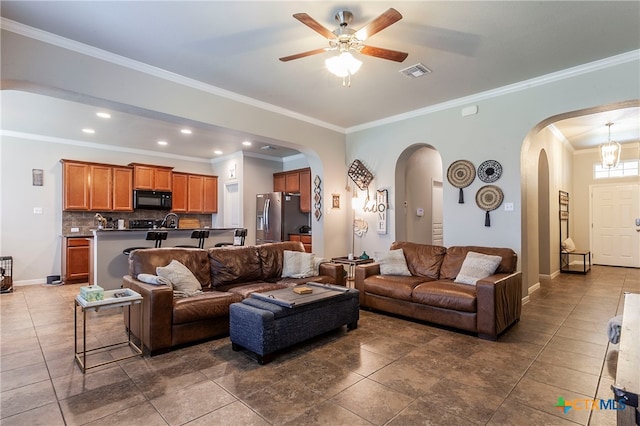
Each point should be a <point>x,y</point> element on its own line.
<point>226,275</point>
<point>430,293</point>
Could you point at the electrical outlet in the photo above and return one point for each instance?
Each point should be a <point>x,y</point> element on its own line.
<point>75,229</point>
<point>508,207</point>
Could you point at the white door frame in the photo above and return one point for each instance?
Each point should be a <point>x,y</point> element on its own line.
<point>635,260</point>
<point>232,205</point>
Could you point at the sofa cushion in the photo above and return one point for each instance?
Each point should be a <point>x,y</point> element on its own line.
<point>455,256</point>
<point>209,305</point>
<point>298,264</point>
<point>393,286</point>
<point>392,262</point>
<point>272,257</point>
<point>182,280</point>
<point>446,295</point>
<point>422,260</point>
<point>234,264</point>
<point>477,266</point>
<point>146,261</point>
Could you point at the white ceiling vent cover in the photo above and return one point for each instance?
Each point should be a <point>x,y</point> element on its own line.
<point>415,71</point>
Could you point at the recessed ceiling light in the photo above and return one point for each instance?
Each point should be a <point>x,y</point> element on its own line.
<point>246,143</point>
<point>103,114</point>
<point>163,143</point>
<point>217,152</point>
<point>89,131</point>
<point>186,131</point>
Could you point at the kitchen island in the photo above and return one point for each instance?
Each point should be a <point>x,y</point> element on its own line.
<point>108,264</point>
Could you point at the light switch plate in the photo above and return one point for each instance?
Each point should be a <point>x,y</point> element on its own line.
<point>508,207</point>
<point>37,210</point>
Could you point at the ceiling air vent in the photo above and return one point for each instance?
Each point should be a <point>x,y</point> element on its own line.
<point>268,148</point>
<point>415,71</point>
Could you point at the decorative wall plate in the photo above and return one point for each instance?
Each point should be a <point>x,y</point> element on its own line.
<point>460,174</point>
<point>489,171</point>
<point>489,198</point>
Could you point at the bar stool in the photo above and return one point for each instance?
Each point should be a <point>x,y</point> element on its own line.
<point>239,236</point>
<point>157,236</point>
<point>200,236</point>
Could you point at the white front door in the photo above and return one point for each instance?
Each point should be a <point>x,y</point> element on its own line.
<point>437,238</point>
<point>614,210</point>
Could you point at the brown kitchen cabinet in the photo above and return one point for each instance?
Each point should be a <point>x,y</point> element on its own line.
<point>305,239</point>
<point>195,203</point>
<point>297,182</point>
<point>122,189</point>
<point>75,265</point>
<point>305,191</point>
<point>154,178</point>
<point>75,182</point>
<point>180,192</point>
<point>210,200</point>
<point>96,187</point>
<point>193,193</point>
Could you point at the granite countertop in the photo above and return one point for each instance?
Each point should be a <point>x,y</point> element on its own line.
<point>91,234</point>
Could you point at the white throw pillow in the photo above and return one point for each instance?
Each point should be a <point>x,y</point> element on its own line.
<point>153,279</point>
<point>316,264</point>
<point>182,280</point>
<point>392,262</point>
<point>477,266</point>
<point>568,245</point>
<point>298,264</point>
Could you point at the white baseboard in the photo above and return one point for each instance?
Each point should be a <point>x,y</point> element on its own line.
<point>23,283</point>
<point>534,287</point>
<point>525,300</point>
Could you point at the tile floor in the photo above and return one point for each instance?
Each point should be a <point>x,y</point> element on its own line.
<point>389,371</point>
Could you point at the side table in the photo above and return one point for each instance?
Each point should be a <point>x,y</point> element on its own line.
<point>351,264</point>
<point>112,299</point>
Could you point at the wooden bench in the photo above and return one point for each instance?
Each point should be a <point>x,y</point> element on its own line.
<point>627,385</point>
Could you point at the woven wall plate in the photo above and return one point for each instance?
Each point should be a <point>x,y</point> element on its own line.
<point>489,171</point>
<point>489,198</point>
<point>460,174</point>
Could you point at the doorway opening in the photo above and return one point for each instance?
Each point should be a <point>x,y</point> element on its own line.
<point>419,196</point>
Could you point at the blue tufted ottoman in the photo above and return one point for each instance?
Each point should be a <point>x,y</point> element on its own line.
<point>265,326</point>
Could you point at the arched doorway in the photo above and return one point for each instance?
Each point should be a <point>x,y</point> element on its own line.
<point>418,197</point>
<point>544,227</point>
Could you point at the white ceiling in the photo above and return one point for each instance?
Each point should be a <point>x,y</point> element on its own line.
<point>471,47</point>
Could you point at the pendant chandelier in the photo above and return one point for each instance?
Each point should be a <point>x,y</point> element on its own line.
<point>610,152</point>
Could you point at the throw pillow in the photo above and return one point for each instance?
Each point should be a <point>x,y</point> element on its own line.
<point>568,245</point>
<point>153,279</point>
<point>392,262</point>
<point>477,266</point>
<point>298,264</point>
<point>316,264</point>
<point>182,280</point>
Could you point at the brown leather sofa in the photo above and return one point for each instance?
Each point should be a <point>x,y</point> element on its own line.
<point>226,274</point>
<point>430,293</point>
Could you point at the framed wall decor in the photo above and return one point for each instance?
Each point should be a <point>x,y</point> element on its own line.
<point>335,201</point>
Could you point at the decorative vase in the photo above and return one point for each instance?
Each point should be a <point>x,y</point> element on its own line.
<point>364,255</point>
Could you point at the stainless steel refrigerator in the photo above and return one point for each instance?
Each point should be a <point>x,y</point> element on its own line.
<point>278,215</point>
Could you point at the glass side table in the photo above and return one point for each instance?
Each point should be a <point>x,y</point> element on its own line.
<point>112,299</point>
<point>351,266</point>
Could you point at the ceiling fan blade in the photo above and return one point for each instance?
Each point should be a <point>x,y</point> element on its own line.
<point>379,52</point>
<point>303,54</point>
<point>389,17</point>
<point>314,25</point>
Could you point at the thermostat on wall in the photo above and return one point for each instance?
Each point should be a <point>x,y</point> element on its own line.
<point>420,212</point>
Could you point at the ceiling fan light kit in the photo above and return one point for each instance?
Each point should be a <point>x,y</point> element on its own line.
<point>345,40</point>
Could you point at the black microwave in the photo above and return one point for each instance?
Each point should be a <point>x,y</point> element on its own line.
<point>151,200</point>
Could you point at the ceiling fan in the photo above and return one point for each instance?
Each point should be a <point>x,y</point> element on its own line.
<point>345,39</point>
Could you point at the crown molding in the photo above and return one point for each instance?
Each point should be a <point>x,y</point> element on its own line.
<point>622,58</point>
<point>94,52</point>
